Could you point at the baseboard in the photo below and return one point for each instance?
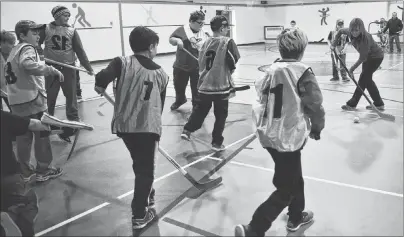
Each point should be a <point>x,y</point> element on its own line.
<point>248,44</point>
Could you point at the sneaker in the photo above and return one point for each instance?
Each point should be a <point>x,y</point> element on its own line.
<point>10,227</point>
<point>307,217</point>
<point>334,79</point>
<point>51,174</point>
<point>147,219</point>
<point>244,230</point>
<point>186,135</point>
<point>176,105</point>
<point>218,147</point>
<point>347,107</point>
<point>369,107</point>
<point>345,79</point>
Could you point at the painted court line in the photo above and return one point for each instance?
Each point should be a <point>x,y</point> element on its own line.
<point>319,180</point>
<point>63,223</point>
<point>385,70</point>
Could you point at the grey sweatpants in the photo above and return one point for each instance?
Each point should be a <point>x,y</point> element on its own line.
<point>42,148</point>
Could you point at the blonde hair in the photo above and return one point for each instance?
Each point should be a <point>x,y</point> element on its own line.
<point>292,43</point>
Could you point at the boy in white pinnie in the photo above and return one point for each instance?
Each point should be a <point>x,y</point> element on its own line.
<point>288,110</point>
<point>24,73</point>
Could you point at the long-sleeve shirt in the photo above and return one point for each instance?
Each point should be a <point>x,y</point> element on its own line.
<point>77,48</point>
<point>364,44</point>
<point>312,100</point>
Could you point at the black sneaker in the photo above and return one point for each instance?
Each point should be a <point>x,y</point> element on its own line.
<point>307,217</point>
<point>176,104</point>
<point>334,79</point>
<point>217,147</point>
<point>244,230</point>
<point>143,222</point>
<point>345,79</point>
<point>50,174</point>
<point>186,135</point>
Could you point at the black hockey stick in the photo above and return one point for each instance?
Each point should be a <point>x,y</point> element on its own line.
<point>201,186</point>
<point>382,115</point>
<point>241,88</point>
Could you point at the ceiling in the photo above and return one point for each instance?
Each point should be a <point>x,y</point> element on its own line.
<point>285,2</point>
<point>257,3</point>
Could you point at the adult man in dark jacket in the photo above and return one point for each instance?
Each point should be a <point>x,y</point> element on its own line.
<point>394,25</point>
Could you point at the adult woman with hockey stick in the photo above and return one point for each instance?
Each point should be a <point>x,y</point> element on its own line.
<point>370,56</point>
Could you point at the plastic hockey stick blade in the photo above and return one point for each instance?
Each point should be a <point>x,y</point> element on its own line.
<point>382,115</point>
<point>199,185</point>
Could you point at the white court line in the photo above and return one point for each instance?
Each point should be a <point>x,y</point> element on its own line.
<point>319,180</point>
<point>130,192</point>
<point>385,70</point>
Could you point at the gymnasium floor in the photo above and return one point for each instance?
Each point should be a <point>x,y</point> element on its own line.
<point>354,174</point>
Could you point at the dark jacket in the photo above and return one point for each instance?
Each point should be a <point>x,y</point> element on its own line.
<point>394,26</point>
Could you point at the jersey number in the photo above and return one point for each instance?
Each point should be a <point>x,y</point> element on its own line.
<point>278,92</point>
<point>57,39</point>
<point>9,74</point>
<point>149,88</point>
<point>210,57</point>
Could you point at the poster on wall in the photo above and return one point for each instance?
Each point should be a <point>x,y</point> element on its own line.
<point>323,15</point>
<point>272,32</point>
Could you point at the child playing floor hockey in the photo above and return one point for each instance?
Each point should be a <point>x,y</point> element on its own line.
<point>140,94</point>
<point>287,111</point>
<point>24,73</point>
<point>341,45</point>
<point>217,61</point>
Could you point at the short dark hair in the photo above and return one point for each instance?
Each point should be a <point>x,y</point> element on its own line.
<point>293,21</point>
<point>141,38</point>
<point>217,22</point>
<point>8,37</point>
<point>197,15</point>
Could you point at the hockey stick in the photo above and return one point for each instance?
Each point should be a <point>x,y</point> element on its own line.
<point>190,54</point>
<point>65,65</point>
<point>199,185</point>
<point>382,115</point>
